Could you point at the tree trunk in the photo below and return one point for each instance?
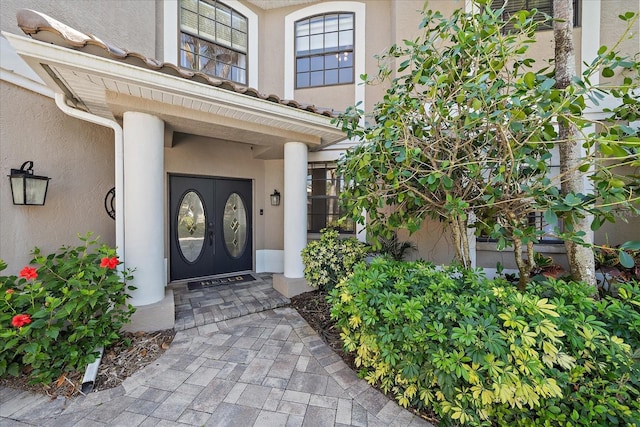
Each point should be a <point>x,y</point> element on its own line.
<point>581,261</point>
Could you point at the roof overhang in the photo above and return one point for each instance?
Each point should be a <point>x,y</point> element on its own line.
<point>107,88</point>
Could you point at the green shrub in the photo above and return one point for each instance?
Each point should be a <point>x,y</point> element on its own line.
<point>479,352</point>
<point>330,259</point>
<point>55,314</point>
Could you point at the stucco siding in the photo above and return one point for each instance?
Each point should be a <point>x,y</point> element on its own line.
<point>129,24</point>
<point>79,159</point>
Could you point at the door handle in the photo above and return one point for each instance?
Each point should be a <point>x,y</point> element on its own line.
<point>211,234</point>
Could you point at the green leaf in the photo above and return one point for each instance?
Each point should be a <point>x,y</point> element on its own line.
<point>626,260</point>
<point>529,79</point>
<point>633,245</point>
<point>550,217</point>
<point>607,72</point>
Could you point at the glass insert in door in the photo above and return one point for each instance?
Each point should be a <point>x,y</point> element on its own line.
<point>191,226</point>
<point>235,225</point>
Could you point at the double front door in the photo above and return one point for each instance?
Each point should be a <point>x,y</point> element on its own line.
<point>210,226</point>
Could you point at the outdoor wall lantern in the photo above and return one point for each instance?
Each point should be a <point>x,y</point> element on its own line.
<point>275,198</point>
<point>27,188</point>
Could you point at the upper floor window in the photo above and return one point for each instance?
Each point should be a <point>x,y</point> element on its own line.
<point>213,39</point>
<point>544,7</point>
<point>324,50</point>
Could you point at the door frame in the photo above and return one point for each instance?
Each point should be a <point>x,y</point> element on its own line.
<point>169,236</point>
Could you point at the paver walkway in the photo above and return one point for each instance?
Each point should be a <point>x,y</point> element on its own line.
<point>263,369</point>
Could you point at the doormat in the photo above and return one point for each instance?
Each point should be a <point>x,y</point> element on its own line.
<point>231,280</point>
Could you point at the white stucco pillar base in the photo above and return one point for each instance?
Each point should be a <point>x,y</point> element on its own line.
<point>153,317</point>
<point>144,206</point>
<point>290,287</point>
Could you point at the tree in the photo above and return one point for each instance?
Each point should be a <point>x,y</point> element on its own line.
<point>465,131</point>
<point>580,256</point>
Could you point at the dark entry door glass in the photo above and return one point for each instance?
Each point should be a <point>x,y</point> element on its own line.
<point>210,226</point>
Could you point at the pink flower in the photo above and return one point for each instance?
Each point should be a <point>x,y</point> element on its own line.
<point>19,320</point>
<point>28,273</point>
<point>111,263</point>
<point>10,291</point>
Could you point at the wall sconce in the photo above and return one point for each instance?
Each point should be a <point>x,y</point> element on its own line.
<point>27,188</point>
<point>275,198</point>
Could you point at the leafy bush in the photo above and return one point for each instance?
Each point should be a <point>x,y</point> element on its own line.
<point>54,315</point>
<point>479,352</point>
<point>330,259</point>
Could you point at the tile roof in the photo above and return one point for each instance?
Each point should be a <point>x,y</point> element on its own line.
<point>44,28</point>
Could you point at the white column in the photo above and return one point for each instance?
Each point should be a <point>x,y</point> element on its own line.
<point>144,205</point>
<point>295,208</point>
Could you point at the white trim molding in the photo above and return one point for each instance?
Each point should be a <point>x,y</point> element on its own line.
<point>359,34</point>
<point>171,21</point>
<point>14,70</point>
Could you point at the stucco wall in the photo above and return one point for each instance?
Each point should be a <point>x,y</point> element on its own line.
<point>79,159</point>
<point>130,24</point>
<point>433,243</point>
<point>612,28</point>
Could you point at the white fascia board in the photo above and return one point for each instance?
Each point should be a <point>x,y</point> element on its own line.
<point>37,52</point>
<point>14,70</point>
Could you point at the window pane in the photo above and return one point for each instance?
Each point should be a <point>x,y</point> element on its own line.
<point>317,63</point>
<point>331,77</point>
<point>302,80</point>
<point>223,15</point>
<point>207,28</point>
<point>238,75</point>
<point>346,21</point>
<point>207,10</point>
<point>346,40</point>
<point>303,64</point>
<point>223,34</point>
<point>316,44</point>
<point>330,23</point>
<point>330,42</point>
<point>239,22</point>
<point>189,21</point>
<point>189,4</point>
<point>302,28</point>
<point>331,60</point>
<point>346,59</point>
<point>346,75</point>
<point>239,40</point>
<point>316,25</point>
<point>317,78</point>
<point>302,45</point>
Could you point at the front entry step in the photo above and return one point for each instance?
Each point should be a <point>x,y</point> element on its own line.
<point>223,302</point>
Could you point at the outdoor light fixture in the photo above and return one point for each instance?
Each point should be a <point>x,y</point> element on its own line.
<point>275,198</point>
<point>27,188</point>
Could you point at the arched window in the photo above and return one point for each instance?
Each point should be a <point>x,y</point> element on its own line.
<point>324,50</point>
<point>213,39</point>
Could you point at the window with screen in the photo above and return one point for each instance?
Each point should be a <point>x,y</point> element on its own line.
<point>323,191</point>
<point>213,39</point>
<point>324,50</point>
<point>544,7</point>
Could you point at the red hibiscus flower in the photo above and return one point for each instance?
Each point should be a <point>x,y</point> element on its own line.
<point>19,320</point>
<point>28,273</point>
<point>107,262</point>
<point>10,291</point>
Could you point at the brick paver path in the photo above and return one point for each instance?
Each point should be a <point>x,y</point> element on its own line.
<point>263,369</point>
